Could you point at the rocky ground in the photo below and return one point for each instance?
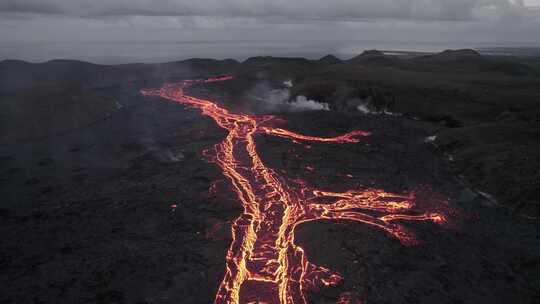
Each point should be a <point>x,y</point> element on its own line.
<point>123,210</point>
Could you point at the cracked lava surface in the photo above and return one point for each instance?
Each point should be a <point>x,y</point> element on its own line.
<point>263,263</point>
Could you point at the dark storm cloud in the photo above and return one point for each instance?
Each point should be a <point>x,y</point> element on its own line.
<point>40,7</point>
<point>304,9</point>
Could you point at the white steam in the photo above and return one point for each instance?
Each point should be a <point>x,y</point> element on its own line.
<point>368,106</point>
<point>364,109</point>
<point>301,103</point>
<point>288,83</point>
<point>280,100</point>
<point>430,139</point>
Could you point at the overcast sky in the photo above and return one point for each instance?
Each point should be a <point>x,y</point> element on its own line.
<point>462,22</point>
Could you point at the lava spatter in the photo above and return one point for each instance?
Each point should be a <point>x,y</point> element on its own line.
<point>263,263</point>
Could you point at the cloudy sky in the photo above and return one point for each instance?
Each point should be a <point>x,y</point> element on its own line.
<point>60,24</point>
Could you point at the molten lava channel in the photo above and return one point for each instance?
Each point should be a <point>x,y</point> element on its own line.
<point>263,263</point>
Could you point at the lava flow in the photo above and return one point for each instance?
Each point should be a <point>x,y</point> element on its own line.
<point>263,263</point>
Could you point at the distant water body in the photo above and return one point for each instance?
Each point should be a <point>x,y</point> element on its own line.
<point>163,51</point>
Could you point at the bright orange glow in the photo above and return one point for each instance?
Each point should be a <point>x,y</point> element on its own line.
<point>263,263</point>
<point>351,137</point>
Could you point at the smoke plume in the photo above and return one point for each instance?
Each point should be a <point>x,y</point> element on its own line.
<point>272,99</point>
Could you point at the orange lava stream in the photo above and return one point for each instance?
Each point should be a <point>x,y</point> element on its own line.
<point>350,137</point>
<point>263,263</point>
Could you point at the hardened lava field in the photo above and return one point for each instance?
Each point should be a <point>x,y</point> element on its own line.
<point>263,263</point>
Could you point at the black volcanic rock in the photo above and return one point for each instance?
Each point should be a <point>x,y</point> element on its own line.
<point>512,68</point>
<point>470,61</point>
<point>374,57</point>
<point>464,55</point>
<point>43,99</point>
<point>46,110</point>
<point>329,59</point>
<point>16,75</point>
<point>371,53</point>
<point>479,153</point>
<point>366,55</point>
<point>268,60</point>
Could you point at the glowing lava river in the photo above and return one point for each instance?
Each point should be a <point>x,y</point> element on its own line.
<point>263,263</point>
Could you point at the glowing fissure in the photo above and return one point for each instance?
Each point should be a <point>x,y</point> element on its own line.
<point>263,263</point>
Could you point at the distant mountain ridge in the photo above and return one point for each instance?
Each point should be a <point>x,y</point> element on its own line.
<point>15,74</point>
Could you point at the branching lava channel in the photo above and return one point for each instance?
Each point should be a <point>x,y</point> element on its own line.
<point>263,263</point>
